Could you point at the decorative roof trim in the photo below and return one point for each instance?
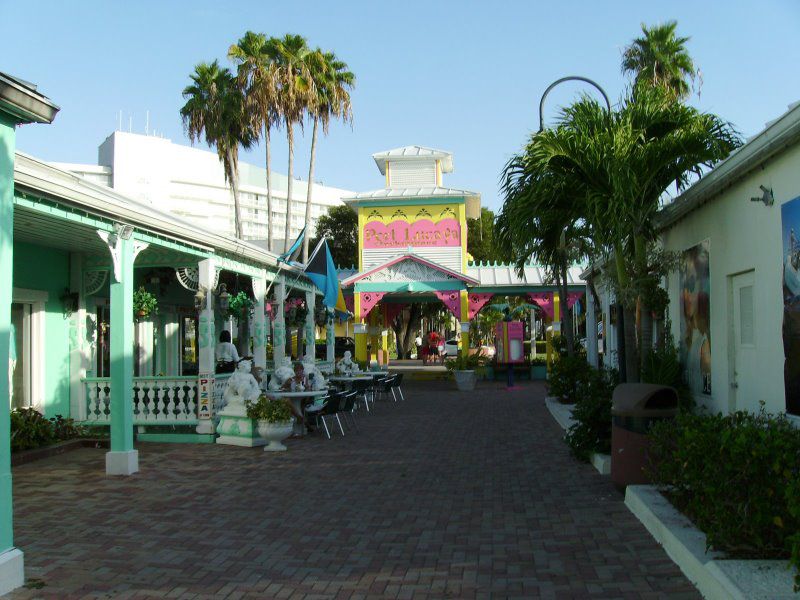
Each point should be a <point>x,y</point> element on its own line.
<point>416,258</point>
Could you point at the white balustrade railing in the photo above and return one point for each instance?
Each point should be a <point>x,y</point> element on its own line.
<point>156,400</point>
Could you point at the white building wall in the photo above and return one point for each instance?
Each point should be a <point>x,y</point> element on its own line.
<point>190,182</point>
<point>743,236</point>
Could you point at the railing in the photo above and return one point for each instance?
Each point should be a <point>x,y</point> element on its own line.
<point>156,400</point>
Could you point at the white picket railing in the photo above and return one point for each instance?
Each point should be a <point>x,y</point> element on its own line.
<point>156,400</point>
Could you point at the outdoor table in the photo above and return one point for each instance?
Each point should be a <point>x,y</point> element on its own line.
<point>296,399</point>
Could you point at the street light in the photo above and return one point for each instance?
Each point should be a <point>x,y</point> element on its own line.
<point>562,80</point>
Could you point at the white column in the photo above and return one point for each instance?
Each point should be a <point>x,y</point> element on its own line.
<point>206,336</point>
<point>591,329</point>
<point>144,346</point>
<point>259,323</point>
<point>79,351</point>
<point>172,345</point>
<point>310,342</point>
<point>279,326</point>
<point>330,341</point>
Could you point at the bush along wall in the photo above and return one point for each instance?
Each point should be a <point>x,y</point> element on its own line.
<point>737,477</point>
<point>592,431</point>
<point>29,429</point>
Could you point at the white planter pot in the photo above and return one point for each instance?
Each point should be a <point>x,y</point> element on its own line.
<point>275,433</point>
<point>465,380</point>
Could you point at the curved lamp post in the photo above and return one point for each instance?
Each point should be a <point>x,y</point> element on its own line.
<point>562,80</point>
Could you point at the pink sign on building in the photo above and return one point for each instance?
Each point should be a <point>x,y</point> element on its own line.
<point>422,233</point>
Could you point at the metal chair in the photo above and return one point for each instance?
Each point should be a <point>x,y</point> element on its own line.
<point>397,381</point>
<point>347,408</point>
<point>330,409</point>
<point>363,387</point>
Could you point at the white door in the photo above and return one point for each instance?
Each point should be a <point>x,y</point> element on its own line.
<point>745,339</point>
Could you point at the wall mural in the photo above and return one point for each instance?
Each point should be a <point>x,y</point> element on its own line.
<point>790,233</point>
<point>695,333</point>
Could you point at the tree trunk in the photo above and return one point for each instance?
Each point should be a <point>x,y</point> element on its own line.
<point>269,191</point>
<point>566,313</point>
<point>310,186</point>
<point>289,138</point>
<point>404,329</point>
<point>646,336</point>
<point>237,210</point>
<point>629,335</point>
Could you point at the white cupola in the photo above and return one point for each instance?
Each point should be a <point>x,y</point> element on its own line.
<point>413,166</point>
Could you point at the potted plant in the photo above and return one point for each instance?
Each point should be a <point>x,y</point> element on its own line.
<point>144,303</point>
<point>539,368</point>
<point>275,421</point>
<point>464,369</point>
<point>240,305</point>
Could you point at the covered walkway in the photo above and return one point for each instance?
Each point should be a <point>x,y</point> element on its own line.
<point>445,495</point>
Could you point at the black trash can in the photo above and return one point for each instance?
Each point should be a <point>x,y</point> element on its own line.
<point>635,407</point>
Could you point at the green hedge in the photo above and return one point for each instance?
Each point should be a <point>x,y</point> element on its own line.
<point>29,429</point>
<point>736,477</point>
<point>592,431</point>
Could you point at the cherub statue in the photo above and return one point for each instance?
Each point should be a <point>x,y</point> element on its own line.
<point>283,373</point>
<point>242,388</point>
<point>314,376</point>
<point>346,365</point>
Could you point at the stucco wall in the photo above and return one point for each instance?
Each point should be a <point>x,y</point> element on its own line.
<point>47,269</point>
<point>743,236</point>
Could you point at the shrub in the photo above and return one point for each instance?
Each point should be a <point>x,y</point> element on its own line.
<point>29,429</point>
<point>567,375</point>
<point>592,413</point>
<point>663,366</point>
<point>736,477</point>
<point>272,411</point>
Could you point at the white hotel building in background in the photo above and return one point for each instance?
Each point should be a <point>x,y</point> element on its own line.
<point>190,183</point>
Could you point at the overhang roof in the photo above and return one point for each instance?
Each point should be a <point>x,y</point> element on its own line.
<point>413,153</point>
<point>21,99</point>
<point>774,138</point>
<point>356,277</point>
<point>498,275</point>
<point>413,192</point>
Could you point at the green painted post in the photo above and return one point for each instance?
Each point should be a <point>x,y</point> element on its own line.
<point>122,459</point>
<point>7,145</point>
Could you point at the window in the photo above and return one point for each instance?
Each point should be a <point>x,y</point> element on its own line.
<point>746,330</point>
<point>26,356</point>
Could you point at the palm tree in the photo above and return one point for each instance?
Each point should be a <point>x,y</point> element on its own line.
<point>616,166</point>
<point>256,78</point>
<point>215,109</point>
<point>295,91</point>
<point>660,58</point>
<point>332,81</point>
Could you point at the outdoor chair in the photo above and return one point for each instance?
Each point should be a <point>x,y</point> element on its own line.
<point>347,408</point>
<point>330,409</point>
<point>396,382</point>
<point>382,387</point>
<point>364,389</point>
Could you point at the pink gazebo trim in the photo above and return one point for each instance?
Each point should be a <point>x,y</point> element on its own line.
<point>572,298</point>
<point>477,302</point>
<point>368,301</point>
<point>452,300</point>
<point>545,301</point>
<point>390,312</point>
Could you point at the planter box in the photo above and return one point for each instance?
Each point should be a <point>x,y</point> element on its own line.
<point>465,380</point>
<point>539,372</point>
<point>712,574</point>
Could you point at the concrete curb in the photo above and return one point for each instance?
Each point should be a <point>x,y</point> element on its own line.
<point>562,413</point>
<point>713,575</point>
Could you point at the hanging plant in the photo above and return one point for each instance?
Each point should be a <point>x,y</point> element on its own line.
<point>240,305</point>
<point>296,315</point>
<point>144,303</point>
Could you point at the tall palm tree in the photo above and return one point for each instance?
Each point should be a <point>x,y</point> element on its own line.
<point>333,82</point>
<point>660,58</point>
<point>295,91</point>
<point>256,77</point>
<point>617,166</point>
<point>214,109</point>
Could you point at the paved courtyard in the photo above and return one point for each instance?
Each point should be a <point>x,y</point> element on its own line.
<point>443,496</point>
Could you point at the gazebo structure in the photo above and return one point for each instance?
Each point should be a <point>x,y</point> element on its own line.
<point>412,237</point>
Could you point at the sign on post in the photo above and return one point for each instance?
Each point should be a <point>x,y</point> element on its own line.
<point>205,396</point>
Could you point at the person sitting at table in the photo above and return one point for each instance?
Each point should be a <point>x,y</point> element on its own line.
<point>226,353</point>
<point>298,383</point>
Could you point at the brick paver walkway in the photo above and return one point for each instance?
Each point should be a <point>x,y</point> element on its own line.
<point>443,496</point>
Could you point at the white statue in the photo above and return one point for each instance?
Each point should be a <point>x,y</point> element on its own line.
<point>283,373</point>
<point>314,376</point>
<point>242,388</point>
<point>346,366</point>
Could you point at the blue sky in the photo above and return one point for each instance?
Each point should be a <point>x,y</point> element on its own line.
<point>462,76</point>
